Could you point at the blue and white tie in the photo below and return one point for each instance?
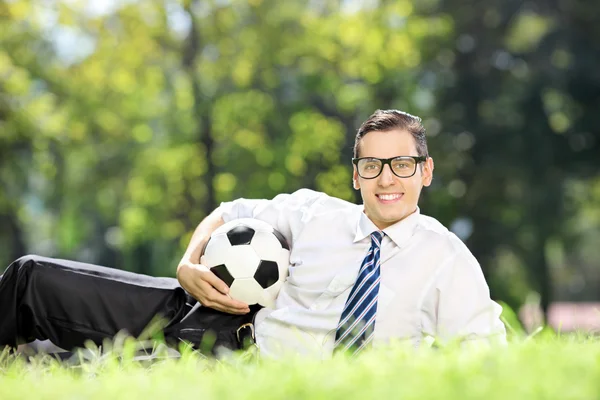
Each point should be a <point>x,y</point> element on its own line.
<point>357,323</point>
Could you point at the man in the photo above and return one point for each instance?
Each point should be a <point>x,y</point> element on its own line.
<point>360,275</point>
<point>430,284</point>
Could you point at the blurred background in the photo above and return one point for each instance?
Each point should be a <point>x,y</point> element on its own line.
<point>123,123</point>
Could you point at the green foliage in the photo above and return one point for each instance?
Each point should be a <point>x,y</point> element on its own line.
<point>540,368</point>
<point>121,128</point>
<point>541,364</point>
<point>173,108</point>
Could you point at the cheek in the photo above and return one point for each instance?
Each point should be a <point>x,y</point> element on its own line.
<point>413,189</point>
<point>366,186</point>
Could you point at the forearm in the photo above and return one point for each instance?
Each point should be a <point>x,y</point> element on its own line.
<point>201,236</point>
<point>197,279</point>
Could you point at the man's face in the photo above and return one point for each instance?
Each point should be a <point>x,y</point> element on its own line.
<point>388,198</point>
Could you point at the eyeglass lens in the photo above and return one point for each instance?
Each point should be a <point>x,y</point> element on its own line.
<point>401,166</point>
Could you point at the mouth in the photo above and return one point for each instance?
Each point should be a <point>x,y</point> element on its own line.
<point>389,198</point>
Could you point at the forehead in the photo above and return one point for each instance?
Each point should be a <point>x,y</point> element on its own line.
<point>387,144</point>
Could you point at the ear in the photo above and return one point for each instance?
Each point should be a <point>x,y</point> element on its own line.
<point>355,183</point>
<point>427,175</point>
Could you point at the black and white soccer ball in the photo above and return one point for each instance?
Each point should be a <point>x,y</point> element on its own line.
<point>251,257</point>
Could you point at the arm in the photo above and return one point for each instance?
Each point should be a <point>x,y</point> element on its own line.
<point>284,212</point>
<point>198,280</point>
<point>465,311</point>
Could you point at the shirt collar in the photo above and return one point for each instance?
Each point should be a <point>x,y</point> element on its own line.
<point>400,232</point>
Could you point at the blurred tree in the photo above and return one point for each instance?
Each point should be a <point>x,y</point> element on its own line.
<point>521,101</point>
<point>122,125</point>
<point>162,110</point>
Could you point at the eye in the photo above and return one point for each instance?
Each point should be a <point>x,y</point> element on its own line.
<point>371,166</point>
<point>369,163</point>
<point>401,165</point>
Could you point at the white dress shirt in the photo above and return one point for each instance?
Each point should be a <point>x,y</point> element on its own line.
<point>431,285</point>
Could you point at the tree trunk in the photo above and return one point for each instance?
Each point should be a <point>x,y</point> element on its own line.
<point>17,247</point>
<point>542,274</point>
<point>202,107</point>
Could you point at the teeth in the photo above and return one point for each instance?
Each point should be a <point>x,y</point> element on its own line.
<point>389,196</point>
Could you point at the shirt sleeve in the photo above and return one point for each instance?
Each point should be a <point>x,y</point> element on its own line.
<point>465,311</point>
<point>285,212</point>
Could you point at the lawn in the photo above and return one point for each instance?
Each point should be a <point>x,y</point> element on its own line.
<point>541,365</point>
<point>548,366</point>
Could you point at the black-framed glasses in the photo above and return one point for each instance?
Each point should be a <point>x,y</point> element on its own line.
<point>401,166</point>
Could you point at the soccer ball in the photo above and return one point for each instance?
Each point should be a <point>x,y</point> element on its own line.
<point>251,257</point>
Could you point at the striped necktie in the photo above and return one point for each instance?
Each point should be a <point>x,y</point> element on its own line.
<point>357,323</point>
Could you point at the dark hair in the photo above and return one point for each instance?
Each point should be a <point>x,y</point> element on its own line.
<point>386,120</point>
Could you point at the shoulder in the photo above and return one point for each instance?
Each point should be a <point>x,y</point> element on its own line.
<point>453,260</point>
<point>441,238</point>
<point>307,198</point>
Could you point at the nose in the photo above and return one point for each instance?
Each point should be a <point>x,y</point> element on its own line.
<point>386,178</point>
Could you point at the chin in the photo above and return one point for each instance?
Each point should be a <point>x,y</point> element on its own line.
<point>383,223</point>
<point>394,219</point>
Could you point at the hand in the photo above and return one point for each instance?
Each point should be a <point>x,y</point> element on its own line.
<point>208,289</point>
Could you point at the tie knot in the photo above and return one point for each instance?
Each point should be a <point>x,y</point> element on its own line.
<point>376,238</point>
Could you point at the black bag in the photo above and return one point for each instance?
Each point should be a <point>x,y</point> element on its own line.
<point>207,329</point>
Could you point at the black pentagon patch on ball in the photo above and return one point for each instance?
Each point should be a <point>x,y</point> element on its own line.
<point>222,273</point>
<point>267,273</point>
<point>240,235</point>
<point>281,239</point>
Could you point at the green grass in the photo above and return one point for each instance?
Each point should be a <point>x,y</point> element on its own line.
<point>565,367</point>
<point>542,365</point>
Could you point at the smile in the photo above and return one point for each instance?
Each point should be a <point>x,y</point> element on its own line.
<point>389,197</point>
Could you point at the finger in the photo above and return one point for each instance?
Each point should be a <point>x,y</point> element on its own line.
<point>213,280</point>
<point>231,302</point>
<point>223,302</point>
<point>226,301</point>
<point>226,309</point>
